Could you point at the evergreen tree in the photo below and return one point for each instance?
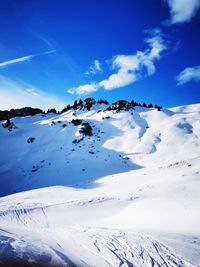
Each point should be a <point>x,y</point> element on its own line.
<point>150,106</point>
<point>101,101</point>
<point>75,106</point>
<point>89,102</point>
<point>52,110</point>
<point>80,103</point>
<point>68,107</point>
<point>144,105</point>
<point>133,103</point>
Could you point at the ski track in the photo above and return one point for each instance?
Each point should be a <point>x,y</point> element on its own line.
<point>120,248</point>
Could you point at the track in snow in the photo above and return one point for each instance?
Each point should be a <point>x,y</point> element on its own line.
<point>97,247</point>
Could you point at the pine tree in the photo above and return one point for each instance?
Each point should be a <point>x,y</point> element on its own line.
<point>150,106</point>
<point>144,105</point>
<point>75,106</point>
<point>68,107</point>
<point>52,110</point>
<point>80,103</point>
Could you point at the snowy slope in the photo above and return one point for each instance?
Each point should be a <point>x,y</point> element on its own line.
<point>129,195</point>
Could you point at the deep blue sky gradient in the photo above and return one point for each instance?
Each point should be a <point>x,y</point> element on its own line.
<point>84,30</point>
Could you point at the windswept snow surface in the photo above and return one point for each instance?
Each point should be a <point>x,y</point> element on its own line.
<point>129,195</point>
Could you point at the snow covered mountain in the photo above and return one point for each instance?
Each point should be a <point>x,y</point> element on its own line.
<point>101,188</point>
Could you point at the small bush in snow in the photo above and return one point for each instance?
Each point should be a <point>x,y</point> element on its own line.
<point>76,122</point>
<point>9,125</point>
<point>35,168</point>
<point>30,140</point>
<point>86,129</point>
<point>76,141</point>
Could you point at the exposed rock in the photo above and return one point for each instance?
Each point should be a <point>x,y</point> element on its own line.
<point>22,112</point>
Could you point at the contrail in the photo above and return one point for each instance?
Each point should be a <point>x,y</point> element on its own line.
<point>23,59</point>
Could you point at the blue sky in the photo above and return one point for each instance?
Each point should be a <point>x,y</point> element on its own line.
<point>53,52</point>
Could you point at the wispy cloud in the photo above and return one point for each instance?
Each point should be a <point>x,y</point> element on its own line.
<point>182,10</point>
<point>23,59</point>
<point>188,74</point>
<point>14,61</point>
<point>94,68</point>
<point>15,94</point>
<point>32,91</point>
<point>49,43</point>
<point>63,58</point>
<point>129,68</point>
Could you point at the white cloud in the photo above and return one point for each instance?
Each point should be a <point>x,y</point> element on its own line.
<point>18,94</point>
<point>126,62</point>
<point>22,59</point>
<point>188,74</point>
<point>132,67</point>
<point>117,80</point>
<point>182,10</point>
<point>129,68</point>
<point>94,68</point>
<point>156,44</point>
<point>83,89</point>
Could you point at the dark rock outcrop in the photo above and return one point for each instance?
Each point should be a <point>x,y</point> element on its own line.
<point>22,112</point>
